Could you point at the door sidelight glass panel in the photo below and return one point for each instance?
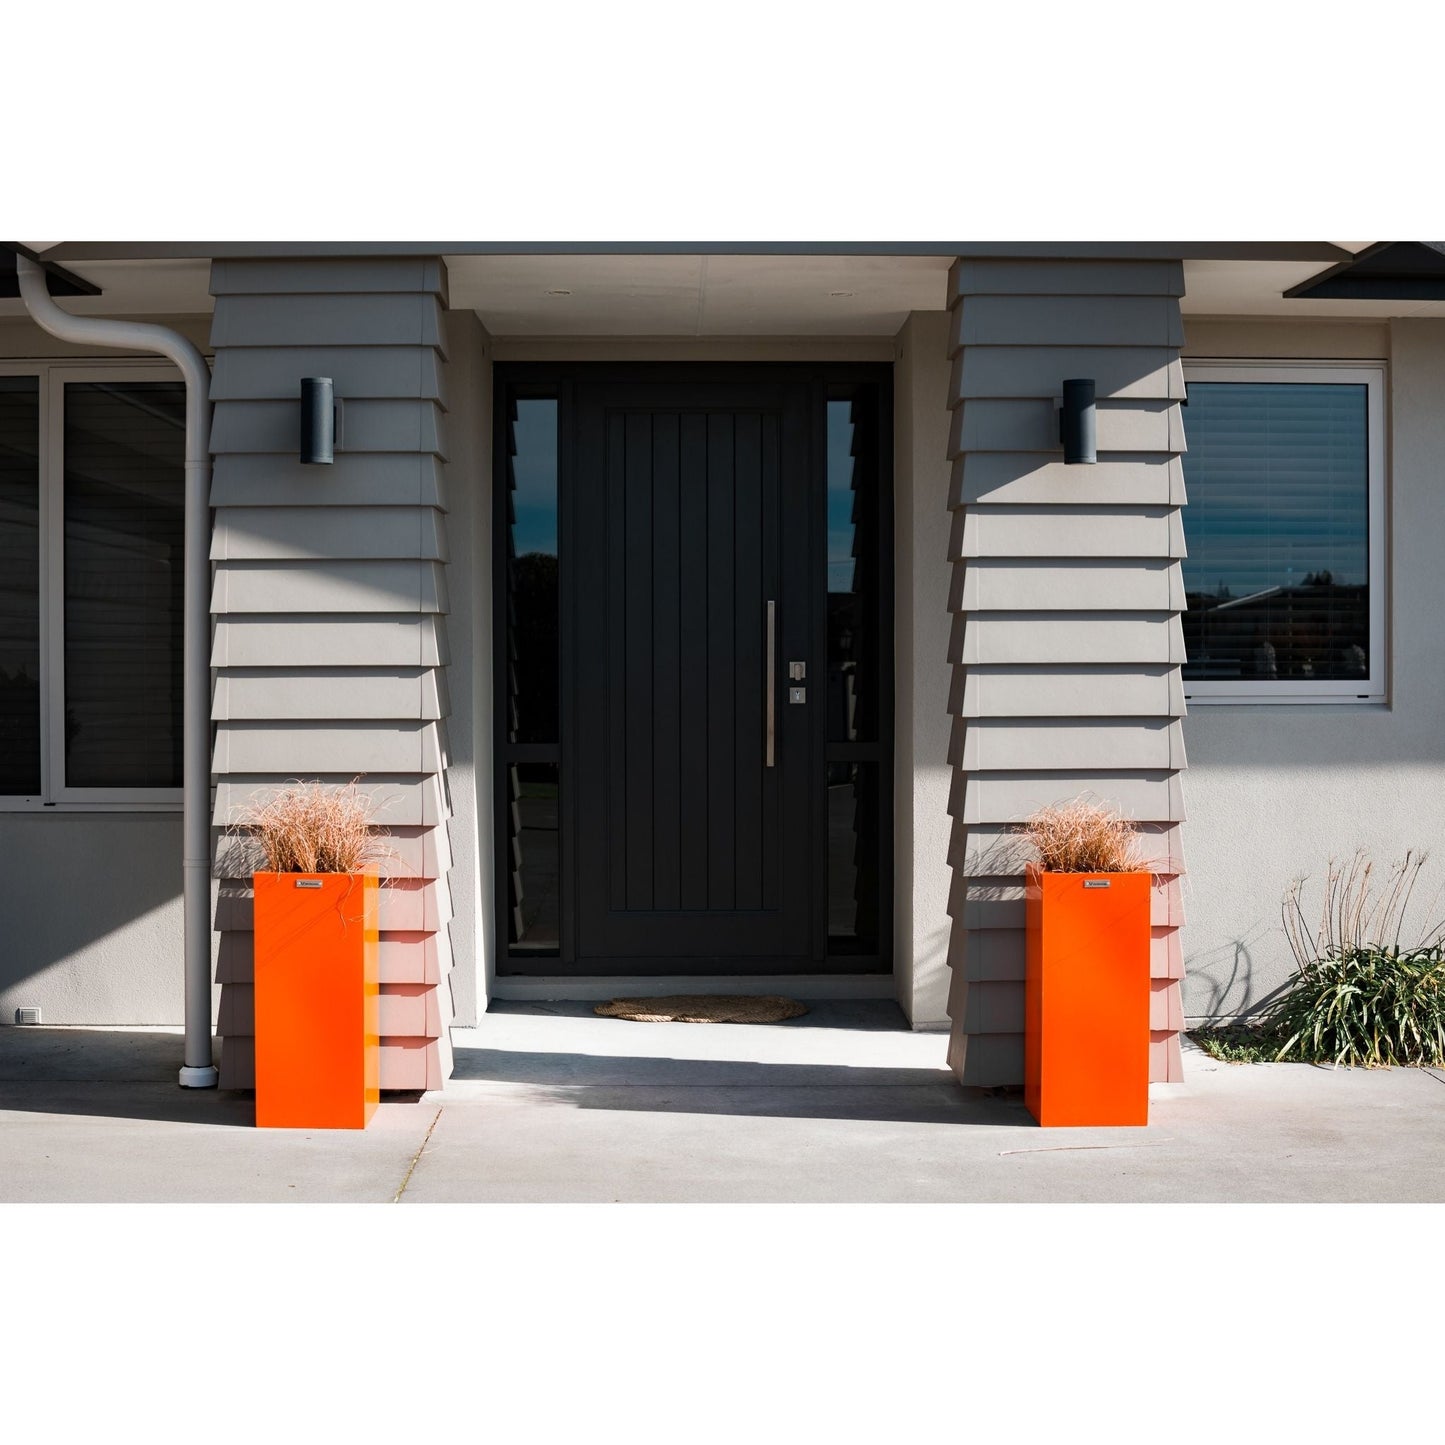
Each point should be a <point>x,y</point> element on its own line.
<point>853,838</point>
<point>852,553</point>
<point>534,912</point>
<point>532,572</point>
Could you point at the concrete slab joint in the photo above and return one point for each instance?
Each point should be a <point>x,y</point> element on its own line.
<point>1084,563</point>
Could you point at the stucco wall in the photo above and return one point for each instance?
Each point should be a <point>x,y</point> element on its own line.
<point>921,629</point>
<point>1273,792</point>
<point>469,469</point>
<point>90,903</point>
<point>90,917</point>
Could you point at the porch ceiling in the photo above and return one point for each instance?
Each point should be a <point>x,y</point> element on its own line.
<point>697,295</point>
<point>179,287</point>
<point>692,295</point>
<point>1256,288</point>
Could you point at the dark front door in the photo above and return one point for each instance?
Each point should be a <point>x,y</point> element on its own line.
<point>674,544</point>
<point>692,598</point>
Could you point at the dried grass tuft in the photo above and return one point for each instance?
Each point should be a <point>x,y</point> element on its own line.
<point>315,828</point>
<point>1369,986</point>
<point>1083,837</point>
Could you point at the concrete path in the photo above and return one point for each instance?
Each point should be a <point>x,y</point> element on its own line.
<point>549,1103</point>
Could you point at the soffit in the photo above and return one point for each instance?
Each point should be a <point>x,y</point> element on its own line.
<point>1256,288</point>
<point>696,295</point>
<point>136,288</point>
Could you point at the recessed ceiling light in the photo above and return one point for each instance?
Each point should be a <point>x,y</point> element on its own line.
<point>560,291</point>
<point>840,293</point>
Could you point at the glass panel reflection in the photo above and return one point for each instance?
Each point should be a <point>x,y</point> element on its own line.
<point>1277,527</point>
<point>853,837</point>
<point>19,585</point>
<point>852,553</point>
<point>532,587</point>
<point>534,909</point>
<point>124,573</point>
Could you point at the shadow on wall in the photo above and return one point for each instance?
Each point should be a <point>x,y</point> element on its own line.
<point>1219,983</point>
<point>70,883</point>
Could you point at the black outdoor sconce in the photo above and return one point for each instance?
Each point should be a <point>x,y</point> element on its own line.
<point>1078,429</point>
<point>318,420</point>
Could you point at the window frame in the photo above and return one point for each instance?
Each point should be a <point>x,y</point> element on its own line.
<point>1373,689</point>
<point>55,794</point>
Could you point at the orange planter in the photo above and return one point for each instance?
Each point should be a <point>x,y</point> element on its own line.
<point>318,1046</point>
<point>1086,998</point>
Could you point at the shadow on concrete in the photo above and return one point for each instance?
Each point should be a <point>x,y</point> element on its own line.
<point>109,1074</point>
<point>119,1074</point>
<point>871,1015</point>
<point>739,1087</point>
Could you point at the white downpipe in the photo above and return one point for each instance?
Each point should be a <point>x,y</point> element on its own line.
<point>198,1072</point>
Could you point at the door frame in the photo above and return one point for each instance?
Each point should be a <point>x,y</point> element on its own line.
<point>523,379</point>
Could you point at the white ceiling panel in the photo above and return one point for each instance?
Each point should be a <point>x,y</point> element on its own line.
<point>137,288</point>
<point>696,295</point>
<point>1256,288</point>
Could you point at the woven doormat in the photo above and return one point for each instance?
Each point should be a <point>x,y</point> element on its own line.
<point>690,1008</point>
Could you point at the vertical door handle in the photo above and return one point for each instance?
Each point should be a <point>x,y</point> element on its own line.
<point>772,676</point>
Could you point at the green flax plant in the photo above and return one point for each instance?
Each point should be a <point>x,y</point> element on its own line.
<point>1364,991</point>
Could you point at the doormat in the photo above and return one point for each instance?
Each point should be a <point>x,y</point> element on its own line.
<point>689,1008</point>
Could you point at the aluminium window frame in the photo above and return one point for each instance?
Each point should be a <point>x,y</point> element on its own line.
<point>1373,375</point>
<point>55,796</point>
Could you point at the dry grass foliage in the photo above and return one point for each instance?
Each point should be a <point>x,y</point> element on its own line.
<point>1358,910</point>
<point>1084,837</point>
<point>1368,989</point>
<point>313,828</point>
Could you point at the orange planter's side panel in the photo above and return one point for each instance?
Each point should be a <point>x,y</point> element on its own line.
<point>1033,989</point>
<point>317,1001</point>
<point>1087,998</point>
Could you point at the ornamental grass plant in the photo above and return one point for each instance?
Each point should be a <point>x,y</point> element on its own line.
<point>1083,837</point>
<point>315,828</point>
<point>1365,990</point>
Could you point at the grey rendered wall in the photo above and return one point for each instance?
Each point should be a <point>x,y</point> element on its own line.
<point>921,626</point>
<point>1275,791</point>
<point>91,910</point>
<point>117,959</point>
<point>330,600</point>
<point>468,473</point>
<point>1066,642</point>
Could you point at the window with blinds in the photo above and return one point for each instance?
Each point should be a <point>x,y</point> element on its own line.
<point>1283,530</point>
<point>92,546</point>
<point>125,449</point>
<point>19,586</point>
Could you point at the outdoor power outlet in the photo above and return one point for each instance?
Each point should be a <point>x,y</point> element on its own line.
<point>27,1016</point>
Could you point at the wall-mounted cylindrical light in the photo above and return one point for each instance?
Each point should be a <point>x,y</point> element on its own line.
<point>318,419</point>
<point>1078,430</point>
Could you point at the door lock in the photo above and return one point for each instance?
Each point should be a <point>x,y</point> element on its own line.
<point>797,694</point>
<point>797,671</point>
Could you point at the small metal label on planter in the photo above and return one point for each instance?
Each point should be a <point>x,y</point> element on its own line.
<point>1096,882</point>
<point>308,883</point>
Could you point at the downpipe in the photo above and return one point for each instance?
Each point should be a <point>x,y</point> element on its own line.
<point>199,1070</point>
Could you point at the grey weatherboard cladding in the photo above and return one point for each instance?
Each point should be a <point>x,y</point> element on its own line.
<point>1066,642</point>
<point>330,602</point>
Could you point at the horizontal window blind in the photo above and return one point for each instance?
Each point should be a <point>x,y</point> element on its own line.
<point>19,585</point>
<point>1277,578</point>
<point>124,574</point>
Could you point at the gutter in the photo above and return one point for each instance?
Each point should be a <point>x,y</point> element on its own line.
<point>198,1071</point>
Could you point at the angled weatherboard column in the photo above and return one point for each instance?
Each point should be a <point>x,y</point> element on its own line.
<point>1066,643</point>
<point>330,600</point>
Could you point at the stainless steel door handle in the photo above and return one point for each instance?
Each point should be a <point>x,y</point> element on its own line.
<point>772,648</point>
